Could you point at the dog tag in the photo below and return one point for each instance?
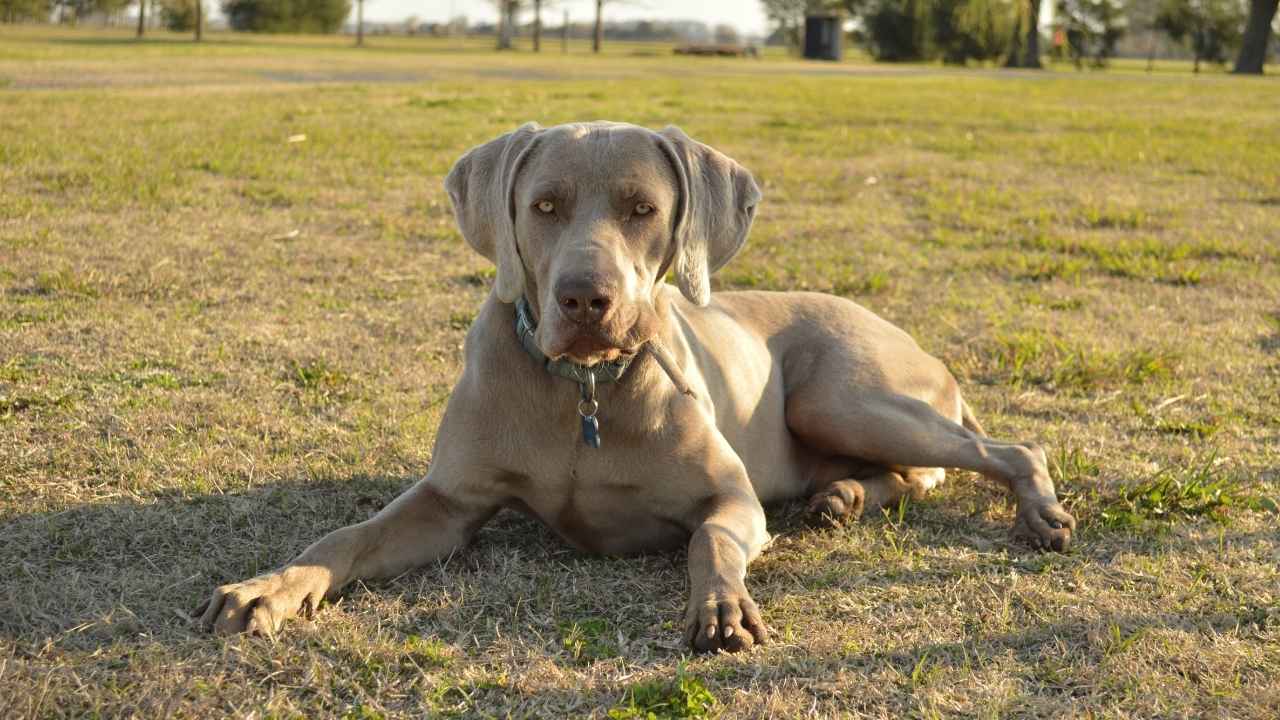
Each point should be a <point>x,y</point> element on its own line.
<point>587,409</point>
<point>590,431</point>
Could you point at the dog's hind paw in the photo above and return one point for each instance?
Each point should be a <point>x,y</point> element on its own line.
<point>1046,525</point>
<point>841,501</point>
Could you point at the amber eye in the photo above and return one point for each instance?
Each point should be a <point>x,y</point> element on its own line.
<point>644,209</point>
<point>546,207</point>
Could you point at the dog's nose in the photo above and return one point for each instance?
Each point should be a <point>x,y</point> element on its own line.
<point>583,300</point>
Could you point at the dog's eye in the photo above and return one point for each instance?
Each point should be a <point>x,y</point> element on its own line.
<point>644,209</point>
<point>546,207</point>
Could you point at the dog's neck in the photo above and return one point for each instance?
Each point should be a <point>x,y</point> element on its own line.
<point>588,376</point>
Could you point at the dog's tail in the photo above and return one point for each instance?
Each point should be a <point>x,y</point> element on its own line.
<point>968,420</point>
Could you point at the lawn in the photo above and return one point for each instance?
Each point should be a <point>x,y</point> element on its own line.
<point>232,301</point>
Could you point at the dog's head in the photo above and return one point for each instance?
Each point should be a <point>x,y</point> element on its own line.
<point>585,219</point>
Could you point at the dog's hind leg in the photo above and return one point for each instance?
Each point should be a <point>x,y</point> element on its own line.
<point>881,426</point>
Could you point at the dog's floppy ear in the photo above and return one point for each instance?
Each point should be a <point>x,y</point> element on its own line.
<point>480,187</point>
<point>718,200</point>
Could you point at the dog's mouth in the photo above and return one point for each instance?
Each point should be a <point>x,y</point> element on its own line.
<point>590,348</point>
<point>620,337</point>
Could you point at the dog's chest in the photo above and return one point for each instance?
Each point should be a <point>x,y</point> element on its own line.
<point>604,501</point>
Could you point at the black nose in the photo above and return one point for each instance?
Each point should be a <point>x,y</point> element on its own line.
<point>583,300</point>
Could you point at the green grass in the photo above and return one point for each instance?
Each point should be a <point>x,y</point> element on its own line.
<point>217,344</point>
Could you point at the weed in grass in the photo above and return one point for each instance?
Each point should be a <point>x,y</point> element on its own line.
<point>1173,494</point>
<point>1052,303</point>
<point>480,278</point>
<point>15,370</point>
<point>63,282</point>
<point>923,672</point>
<point>683,697</point>
<point>11,405</point>
<point>319,378</point>
<point>435,103</point>
<point>766,278</point>
<point>870,284</point>
<point>1117,642</point>
<point>461,319</point>
<point>1151,269</point>
<point>1041,270</point>
<point>1072,467</point>
<point>1033,357</point>
<point>587,640</point>
<point>427,652</point>
<point>1112,217</point>
<point>1198,429</point>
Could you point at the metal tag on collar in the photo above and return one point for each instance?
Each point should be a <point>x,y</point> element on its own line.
<point>587,408</point>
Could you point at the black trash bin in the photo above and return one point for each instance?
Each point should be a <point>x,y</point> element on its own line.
<point>822,37</point>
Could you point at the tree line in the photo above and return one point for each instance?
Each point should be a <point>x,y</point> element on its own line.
<point>320,16</point>
<point>1008,31</point>
<point>954,31</point>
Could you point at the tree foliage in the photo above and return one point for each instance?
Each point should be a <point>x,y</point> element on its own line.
<point>13,11</point>
<point>307,16</point>
<point>1092,28</point>
<point>1212,28</point>
<point>178,15</point>
<point>954,31</point>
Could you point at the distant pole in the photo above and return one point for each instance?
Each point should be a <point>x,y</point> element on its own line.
<point>142,17</point>
<point>564,34</point>
<point>359,23</point>
<point>199,20</point>
<point>597,37</point>
<point>537,25</point>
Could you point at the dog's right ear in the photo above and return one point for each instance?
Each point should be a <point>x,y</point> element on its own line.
<point>480,187</point>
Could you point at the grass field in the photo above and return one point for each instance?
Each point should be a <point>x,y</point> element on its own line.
<point>220,339</point>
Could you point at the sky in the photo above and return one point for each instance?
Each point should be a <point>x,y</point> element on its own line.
<point>746,15</point>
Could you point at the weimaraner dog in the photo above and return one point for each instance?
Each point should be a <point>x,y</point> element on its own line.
<point>632,416</point>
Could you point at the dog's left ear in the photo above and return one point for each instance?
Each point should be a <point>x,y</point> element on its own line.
<point>479,187</point>
<point>718,200</point>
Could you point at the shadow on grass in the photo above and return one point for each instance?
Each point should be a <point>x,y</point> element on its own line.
<point>128,571</point>
<point>105,570</point>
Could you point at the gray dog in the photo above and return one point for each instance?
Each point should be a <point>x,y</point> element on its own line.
<point>632,416</point>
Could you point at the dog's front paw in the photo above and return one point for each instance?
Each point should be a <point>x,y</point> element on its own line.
<point>724,620</point>
<point>1044,524</point>
<point>259,606</point>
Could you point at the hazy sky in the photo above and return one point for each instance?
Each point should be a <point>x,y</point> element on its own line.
<point>746,15</point>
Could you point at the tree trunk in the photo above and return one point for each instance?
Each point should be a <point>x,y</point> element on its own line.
<point>507,25</point>
<point>1024,49</point>
<point>142,17</point>
<point>1253,48</point>
<point>359,23</point>
<point>1031,55</point>
<point>537,25</point>
<point>1014,58</point>
<point>199,20</point>
<point>597,37</point>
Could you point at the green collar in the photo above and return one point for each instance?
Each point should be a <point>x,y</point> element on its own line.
<point>603,372</point>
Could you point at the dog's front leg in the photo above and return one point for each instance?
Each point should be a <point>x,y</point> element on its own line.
<point>421,525</point>
<point>721,614</point>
